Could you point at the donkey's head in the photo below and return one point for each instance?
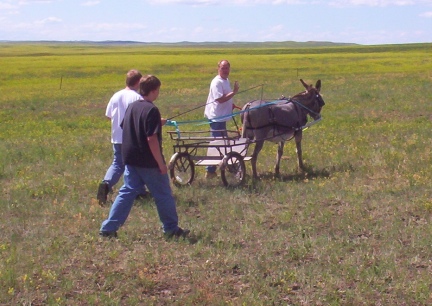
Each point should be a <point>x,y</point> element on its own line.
<point>311,99</point>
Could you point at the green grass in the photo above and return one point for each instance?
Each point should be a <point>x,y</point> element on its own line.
<point>353,230</point>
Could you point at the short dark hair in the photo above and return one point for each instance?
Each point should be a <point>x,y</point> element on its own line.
<point>133,77</point>
<point>149,83</point>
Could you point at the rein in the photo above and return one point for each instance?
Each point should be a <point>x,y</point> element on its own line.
<point>176,124</point>
<point>305,107</point>
<point>192,109</point>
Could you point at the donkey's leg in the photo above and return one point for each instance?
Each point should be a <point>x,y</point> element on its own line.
<point>257,149</point>
<point>298,139</point>
<point>278,157</point>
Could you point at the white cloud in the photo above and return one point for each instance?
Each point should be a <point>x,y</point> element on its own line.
<point>426,14</point>
<point>26,2</point>
<point>186,2</point>
<point>14,5</point>
<point>277,29</point>
<point>378,3</point>
<point>226,2</point>
<point>381,3</point>
<point>198,30</point>
<point>90,3</point>
<point>7,6</point>
<point>345,3</point>
<point>48,20</point>
<point>98,27</point>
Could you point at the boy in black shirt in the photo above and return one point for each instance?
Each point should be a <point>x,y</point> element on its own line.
<point>144,162</point>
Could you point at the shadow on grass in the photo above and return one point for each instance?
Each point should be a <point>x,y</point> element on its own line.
<point>252,184</point>
<point>308,173</point>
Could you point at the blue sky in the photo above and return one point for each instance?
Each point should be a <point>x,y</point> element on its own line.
<point>367,22</point>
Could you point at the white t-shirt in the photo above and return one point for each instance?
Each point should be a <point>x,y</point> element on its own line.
<point>116,109</point>
<point>213,109</point>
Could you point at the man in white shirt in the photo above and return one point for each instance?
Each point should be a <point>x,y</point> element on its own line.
<point>115,111</point>
<point>220,104</point>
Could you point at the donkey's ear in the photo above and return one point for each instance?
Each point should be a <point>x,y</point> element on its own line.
<point>318,85</point>
<point>304,84</point>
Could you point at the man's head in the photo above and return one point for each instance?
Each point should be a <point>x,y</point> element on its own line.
<point>149,84</point>
<point>133,79</point>
<point>224,69</point>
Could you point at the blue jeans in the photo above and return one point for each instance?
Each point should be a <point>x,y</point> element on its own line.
<point>159,186</point>
<point>214,127</point>
<point>115,171</point>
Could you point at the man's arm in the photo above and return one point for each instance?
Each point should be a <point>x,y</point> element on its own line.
<point>230,95</point>
<point>157,154</point>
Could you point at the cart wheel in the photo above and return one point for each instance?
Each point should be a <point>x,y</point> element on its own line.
<point>182,169</point>
<point>233,170</point>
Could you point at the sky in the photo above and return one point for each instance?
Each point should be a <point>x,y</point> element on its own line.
<point>367,22</point>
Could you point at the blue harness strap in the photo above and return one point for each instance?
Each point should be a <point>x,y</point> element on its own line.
<point>220,118</point>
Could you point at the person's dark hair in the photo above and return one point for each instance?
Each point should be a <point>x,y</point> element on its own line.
<point>149,83</point>
<point>133,77</point>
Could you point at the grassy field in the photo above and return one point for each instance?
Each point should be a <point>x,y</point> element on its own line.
<point>354,229</point>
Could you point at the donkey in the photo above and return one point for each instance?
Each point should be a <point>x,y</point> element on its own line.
<point>280,121</point>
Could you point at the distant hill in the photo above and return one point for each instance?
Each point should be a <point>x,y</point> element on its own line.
<point>290,44</point>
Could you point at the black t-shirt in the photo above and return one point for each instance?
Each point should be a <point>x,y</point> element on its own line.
<point>142,119</point>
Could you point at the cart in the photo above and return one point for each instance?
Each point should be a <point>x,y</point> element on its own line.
<point>196,148</point>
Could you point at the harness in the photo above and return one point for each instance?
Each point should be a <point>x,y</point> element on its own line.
<point>271,116</point>
<point>247,110</point>
<point>207,121</point>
